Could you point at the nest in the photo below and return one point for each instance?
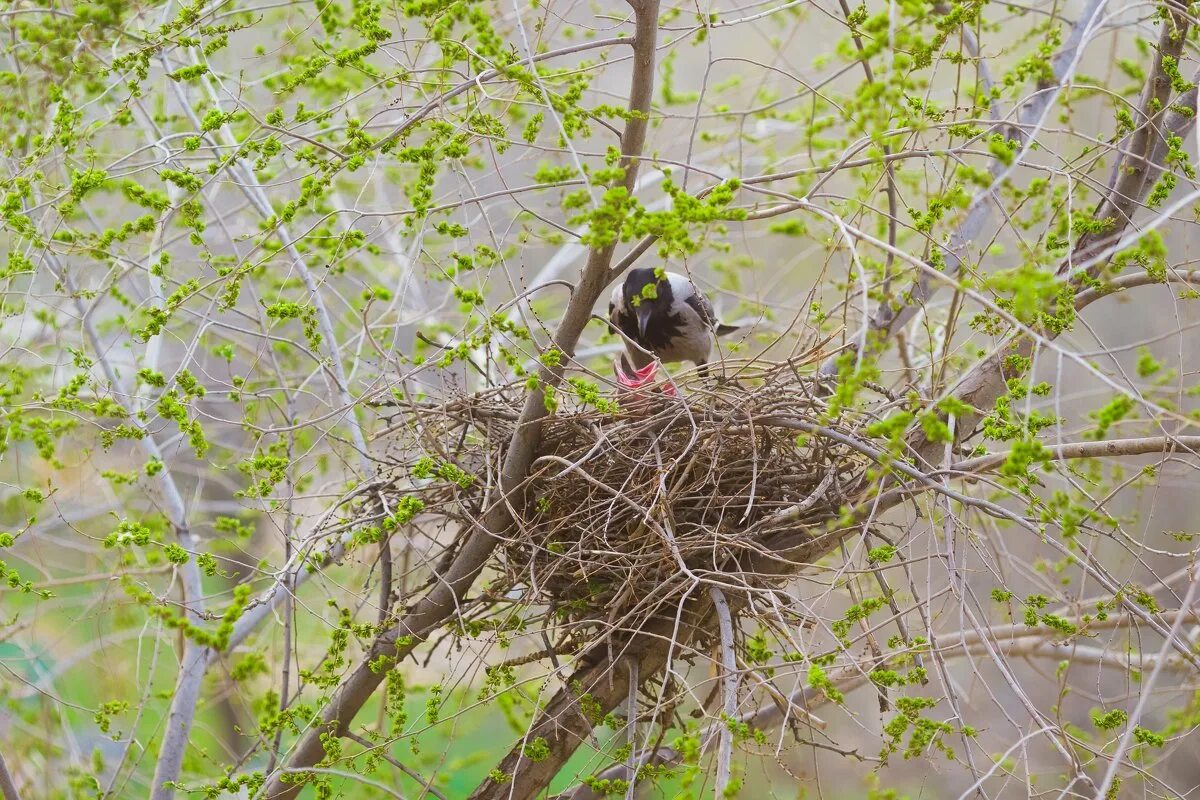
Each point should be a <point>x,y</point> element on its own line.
<point>622,509</point>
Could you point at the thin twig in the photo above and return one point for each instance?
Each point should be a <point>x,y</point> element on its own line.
<point>426,783</point>
<point>1147,691</point>
<point>443,598</point>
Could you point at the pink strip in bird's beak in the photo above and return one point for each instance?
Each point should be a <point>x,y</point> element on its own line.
<point>641,378</point>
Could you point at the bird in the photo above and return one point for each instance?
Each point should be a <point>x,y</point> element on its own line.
<point>662,315</point>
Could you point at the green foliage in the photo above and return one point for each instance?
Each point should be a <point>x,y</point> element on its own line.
<point>247,249</point>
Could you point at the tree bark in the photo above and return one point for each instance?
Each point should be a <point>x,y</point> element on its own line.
<point>447,592</point>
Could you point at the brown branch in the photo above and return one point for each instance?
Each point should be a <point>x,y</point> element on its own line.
<point>447,592</point>
<point>890,317</point>
<point>1112,447</point>
<point>8,788</point>
<point>563,723</point>
<point>987,380</point>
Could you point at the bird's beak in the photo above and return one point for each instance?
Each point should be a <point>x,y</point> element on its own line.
<point>643,318</point>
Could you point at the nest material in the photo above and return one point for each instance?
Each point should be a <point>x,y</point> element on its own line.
<point>623,507</point>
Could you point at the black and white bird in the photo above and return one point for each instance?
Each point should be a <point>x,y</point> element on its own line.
<point>662,314</point>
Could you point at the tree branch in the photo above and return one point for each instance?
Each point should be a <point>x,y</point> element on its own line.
<point>890,317</point>
<point>195,655</point>
<point>442,600</point>
<point>986,381</point>
<point>1020,641</point>
<point>1109,448</point>
<point>563,724</point>
<point>729,684</point>
<point>8,788</point>
<point>1119,284</point>
<point>1135,716</point>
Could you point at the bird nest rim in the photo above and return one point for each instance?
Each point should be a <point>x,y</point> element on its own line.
<point>626,505</point>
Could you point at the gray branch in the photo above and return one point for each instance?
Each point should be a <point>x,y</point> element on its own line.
<point>891,317</point>
<point>443,599</point>
<point>8,788</point>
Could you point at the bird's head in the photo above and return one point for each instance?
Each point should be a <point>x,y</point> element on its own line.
<point>645,291</point>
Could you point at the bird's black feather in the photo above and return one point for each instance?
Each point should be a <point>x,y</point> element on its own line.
<point>676,328</point>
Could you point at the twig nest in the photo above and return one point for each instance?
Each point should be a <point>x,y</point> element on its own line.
<point>623,509</point>
<point>625,506</point>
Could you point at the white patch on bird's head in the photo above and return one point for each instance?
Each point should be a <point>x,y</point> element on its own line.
<point>681,286</point>
<point>617,298</point>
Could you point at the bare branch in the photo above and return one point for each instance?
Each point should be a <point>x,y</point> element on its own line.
<point>729,684</point>
<point>1134,279</point>
<point>386,756</point>
<point>1103,449</point>
<point>1135,715</point>
<point>442,600</point>
<point>892,316</point>
<point>8,789</point>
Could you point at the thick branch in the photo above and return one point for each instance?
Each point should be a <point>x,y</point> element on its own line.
<point>564,725</point>
<point>1017,641</point>
<point>988,379</point>
<point>442,600</point>
<point>8,788</point>
<point>1112,447</point>
<point>893,316</point>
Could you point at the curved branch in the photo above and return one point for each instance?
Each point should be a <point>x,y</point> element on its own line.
<point>444,598</point>
<point>1020,641</point>
<point>1133,280</point>
<point>1111,447</point>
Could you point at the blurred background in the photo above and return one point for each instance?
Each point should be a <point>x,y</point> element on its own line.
<point>183,181</point>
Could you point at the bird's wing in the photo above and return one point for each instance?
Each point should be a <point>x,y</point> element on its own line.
<point>699,303</point>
